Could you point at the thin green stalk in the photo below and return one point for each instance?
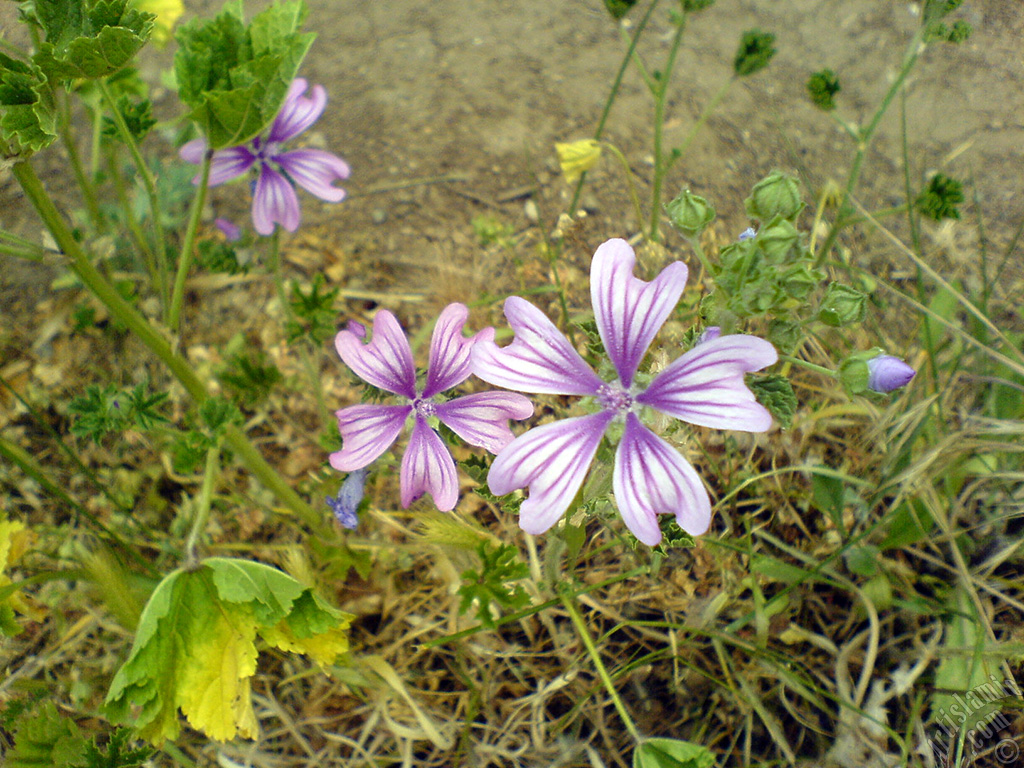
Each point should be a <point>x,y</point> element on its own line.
<point>808,365</point>
<point>188,246</point>
<point>613,93</point>
<point>148,183</point>
<point>630,183</point>
<point>569,601</point>
<point>29,253</point>
<point>660,101</point>
<point>704,116</point>
<point>84,181</point>
<point>866,135</point>
<point>134,228</point>
<point>286,307</point>
<point>148,335</point>
<point>202,506</point>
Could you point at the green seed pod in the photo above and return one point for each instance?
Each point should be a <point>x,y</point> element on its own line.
<point>775,195</point>
<point>690,213</point>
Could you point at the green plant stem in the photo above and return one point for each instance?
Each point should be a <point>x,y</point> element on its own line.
<point>85,183</point>
<point>202,506</point>
<point>137,235</point>
<point>660,101</point>
<point>808,365</point>
<point>569,601</point>
<point>148,183</point>
<point>612,94</point>
<point>866,135</point>
<point>29,253</point>
<point>188,246</point>
<point>286,308</point>
<point>148,335</point>
<point>712,105</point>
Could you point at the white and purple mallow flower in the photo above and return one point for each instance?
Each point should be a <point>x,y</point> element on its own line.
<point>705,386</point>
<point>274,200</point>
<point>386,362</point>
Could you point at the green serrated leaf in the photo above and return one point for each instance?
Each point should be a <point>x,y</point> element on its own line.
<point>44,738</point>
<point>672,753</point>
<point>195,647</point>
<point>27,120</point>
<point>776,394</point>
<point>89,41</point>
<point>235,77</point>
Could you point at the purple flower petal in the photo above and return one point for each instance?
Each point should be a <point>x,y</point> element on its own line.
<point>229,229</point>
<point>539,360</point>
<point>367,431</point>
<point>227,164</point>
<point>552,461</point>
<point>705,386</point>
<point>449,351</point>
<point>193,151</point>
<point>482,419</point>
<point>630,311</point>
<point>886,373</point>
<point>315,171</point>
<point>652,478</point>
<point>298,112</point>
<point>274,201</point>
<point>386,361</point>
<point>346,504</point>
<point>427,467</point>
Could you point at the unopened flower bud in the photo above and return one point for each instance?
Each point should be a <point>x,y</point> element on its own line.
<point>842,305</point>
<point>690,213</point>
<point>775,195</point>
<point>886,373</point>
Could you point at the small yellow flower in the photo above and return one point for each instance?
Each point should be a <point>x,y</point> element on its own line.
<point>167,13</point>
<point>578,157</point>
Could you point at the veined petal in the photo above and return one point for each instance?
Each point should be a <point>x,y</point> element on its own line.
<point>539,360</point>
<point>386,361</point>
<point>652,478</point>
<point>274,201</point>
<point>315,171</point>
<point>449,351</point>
<point>552,462</point>
<point>482,418</point>
<point>227,164</point>
<point>298,112</point>
<point>629,311</point>
<point>367,431</point>
<point>427,467</point>
<point>193,151</point>
<point>705,386</point>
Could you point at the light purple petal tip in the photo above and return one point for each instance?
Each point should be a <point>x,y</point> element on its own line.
<point>449,351</point>
<point>539,360</point>
<point>366,432</point>
<point>482,419</point>
<point>227,164</point>
<point>386,361</point>
<point>274,201</point>
<point>229,229</point>
<point>652,478</point>
<point>298,111</point>
<point>886,373</point>
<point>629,311</point>
<point>552,461</point>
<point>706,387</point>
<point>315,171</point>
<point>427,467</point>
<point>193,151</point>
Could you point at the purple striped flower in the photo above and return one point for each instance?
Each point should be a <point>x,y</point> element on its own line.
<point>385,361</point>
<point>274,200</point>
<point>705,386</point>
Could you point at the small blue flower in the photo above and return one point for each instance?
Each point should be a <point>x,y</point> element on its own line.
<point>345,504</point>
<point>748,233</point>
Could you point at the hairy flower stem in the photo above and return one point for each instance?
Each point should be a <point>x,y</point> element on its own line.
<point>188,246</point>
<point>148,183</point>
<point>289,315</point>
<point>84,182</point>
<point>612,94</point>
<point>202,506</point>
<point>569,601</point>
<point>148,335</point>
<point>662,163</point>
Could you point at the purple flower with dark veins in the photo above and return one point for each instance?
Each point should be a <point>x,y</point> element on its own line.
<point>705,386</point>
<point>274,200</point>
<point>385,361</point>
